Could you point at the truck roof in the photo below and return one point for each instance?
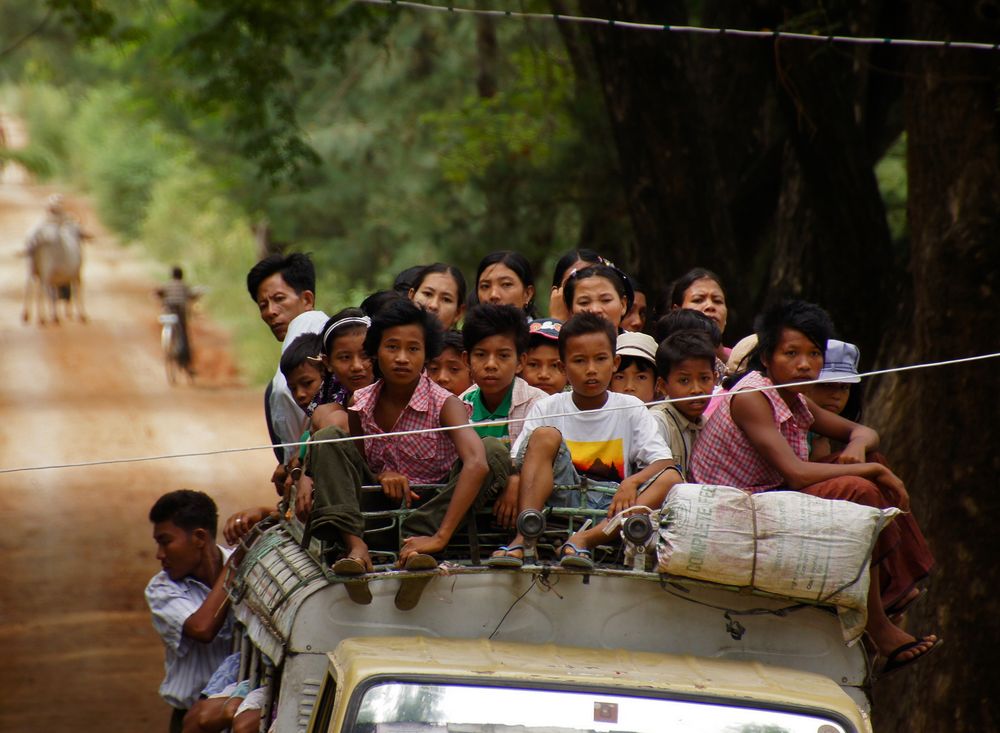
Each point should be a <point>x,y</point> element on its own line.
<point>684,676</point>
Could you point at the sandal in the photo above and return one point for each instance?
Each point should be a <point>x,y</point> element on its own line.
<point>578,559</point>
<point>357,588</point>
<point>349,566</point>
<point>410,589</point>
<point>893,664</point>
<point>503,558</point>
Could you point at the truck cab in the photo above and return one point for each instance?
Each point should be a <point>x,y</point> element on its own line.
<point>383,684</point>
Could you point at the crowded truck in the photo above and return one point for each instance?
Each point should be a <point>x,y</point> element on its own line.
<point>618,647</point>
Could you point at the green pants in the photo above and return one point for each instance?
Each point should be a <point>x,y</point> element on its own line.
<point>338,472</point>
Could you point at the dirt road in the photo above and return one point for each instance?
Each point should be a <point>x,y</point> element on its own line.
<point>77,650</point>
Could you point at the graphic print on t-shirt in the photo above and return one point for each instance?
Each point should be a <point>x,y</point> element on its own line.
<point>599,460</point>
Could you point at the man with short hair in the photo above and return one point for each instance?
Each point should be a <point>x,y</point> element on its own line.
<point>284,286</point>
<point>187,599</point>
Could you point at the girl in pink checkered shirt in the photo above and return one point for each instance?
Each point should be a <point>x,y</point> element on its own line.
<point>401,339</point>
<point>757,441</point>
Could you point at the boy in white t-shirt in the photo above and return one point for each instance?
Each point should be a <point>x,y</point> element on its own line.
<point>589,432</point>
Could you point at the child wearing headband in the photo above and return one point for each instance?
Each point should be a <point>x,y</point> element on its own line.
<point>348,367</point>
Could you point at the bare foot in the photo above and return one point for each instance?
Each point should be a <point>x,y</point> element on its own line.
<point>358,550</point>
<point>897,610</point>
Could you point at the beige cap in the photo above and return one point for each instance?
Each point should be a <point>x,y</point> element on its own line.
<point>641,345</point>
<point>740,354</point>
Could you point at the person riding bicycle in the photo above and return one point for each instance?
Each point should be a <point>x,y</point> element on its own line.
<point>176,296</point>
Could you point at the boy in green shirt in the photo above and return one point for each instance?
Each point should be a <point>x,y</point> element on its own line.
<point>496,338</point>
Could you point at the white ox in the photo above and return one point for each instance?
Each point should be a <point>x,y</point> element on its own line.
<point>55,258</point>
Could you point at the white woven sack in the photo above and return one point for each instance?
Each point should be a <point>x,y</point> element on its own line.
<point>782,542</point>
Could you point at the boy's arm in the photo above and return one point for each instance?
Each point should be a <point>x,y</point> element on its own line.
<point>860,439</point>
<point>505,507</point>
<point>204,624</point>
<point>474,470</point>
<point>647,447</point>
<point>752,414</point>
<point>628,489</point>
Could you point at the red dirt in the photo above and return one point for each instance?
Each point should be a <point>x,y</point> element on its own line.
<point>79,651</point>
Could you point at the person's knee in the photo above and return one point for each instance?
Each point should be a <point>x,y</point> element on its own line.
<point>862,491</point>
<point>849,488</point>
<point>544,441</point>
<point>330,432</point>
<point>208,714</point>
<point>495,449</point>
<point>247,721</point>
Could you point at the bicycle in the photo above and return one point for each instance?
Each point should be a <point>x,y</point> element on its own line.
<point>172,344</point>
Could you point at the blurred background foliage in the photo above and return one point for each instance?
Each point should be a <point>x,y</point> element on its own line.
<point>374,143</point>
<point>211,132</point>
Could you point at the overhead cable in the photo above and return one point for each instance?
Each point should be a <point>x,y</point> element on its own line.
<point>772,34</point>
<point>484,423</point>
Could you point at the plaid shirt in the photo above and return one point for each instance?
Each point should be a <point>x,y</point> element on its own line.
<point>425,458</point>
<point>724,455</point>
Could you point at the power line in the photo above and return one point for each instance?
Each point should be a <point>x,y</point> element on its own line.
<point>692,29</point>
<point>484,423</point>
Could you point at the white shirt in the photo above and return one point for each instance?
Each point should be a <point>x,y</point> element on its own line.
<point>188,664</point>
<point>287,419</point>
<point>619,438</point>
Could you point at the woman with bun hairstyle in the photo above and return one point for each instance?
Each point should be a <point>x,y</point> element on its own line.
<point>573,260</point>
<point>505,278</point>
<point>701,290</point>
<point>440,289</point>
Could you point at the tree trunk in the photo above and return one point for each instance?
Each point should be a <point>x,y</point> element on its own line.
<point>487,54</point>
<point>764,170</point>
<point>668,165</point>
<point>939,423</point>
<point>832,240</point>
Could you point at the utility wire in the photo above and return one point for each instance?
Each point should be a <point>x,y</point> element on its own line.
<point>484,423</point>
<point>691,29</point>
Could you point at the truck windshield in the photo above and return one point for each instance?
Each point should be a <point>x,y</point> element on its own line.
<point>397,707</point>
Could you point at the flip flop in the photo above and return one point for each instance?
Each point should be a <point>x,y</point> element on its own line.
<point>349,566</point>
<point>892,664</point>
<point>420,561</point>
<point>357,590</point>
<point>579,559</point>
<point>410,589</point>
<point>506,560</point>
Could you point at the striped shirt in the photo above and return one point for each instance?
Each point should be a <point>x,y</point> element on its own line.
<point>425,458</point>
<point>189,664</point>
<point>724,455</point>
